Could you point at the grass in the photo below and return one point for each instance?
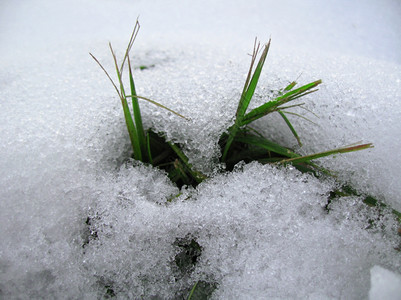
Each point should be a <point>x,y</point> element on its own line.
<point>147,146</point>
<point>239,143</point>
<point>242,143</point>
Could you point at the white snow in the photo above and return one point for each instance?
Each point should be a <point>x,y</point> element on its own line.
<point>385,285</point>
<point>76,221</point>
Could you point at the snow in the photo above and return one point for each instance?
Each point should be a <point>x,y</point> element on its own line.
<point>385,284</point>
<point>76,222</point>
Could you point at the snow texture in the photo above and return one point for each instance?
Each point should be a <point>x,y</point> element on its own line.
<point>386,285</point>
<point>79,222</point>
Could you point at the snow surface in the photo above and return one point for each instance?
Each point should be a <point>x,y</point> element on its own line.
<point>264,231</point>
<point>385,284</point>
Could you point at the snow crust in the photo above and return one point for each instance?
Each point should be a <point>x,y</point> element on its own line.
<point>78,222</point>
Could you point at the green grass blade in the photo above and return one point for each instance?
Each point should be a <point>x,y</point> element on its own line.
<point>192,291</point>
<point>295,114</point>
<point>179,153</point>
<point>253,59</point>
<point>308,158</point>
<point>302,89</point>
<point>247,94</point>
<point>249,89</point>
<point>137,115</point>
<point>291,127</point>
<point>130,44</point>
<point>199,177</point>
<point>107,74</point>
<point>290,86</point>
<point>121,94</point>
<point>231,134</point>
<point>266,144</point>
<point>293,97</point>
<point>273,105</point>
<point>159,105</point>
<point>260,111</point>
<point>180,172</point>
<point>148,148</point>
<point>127,114</point>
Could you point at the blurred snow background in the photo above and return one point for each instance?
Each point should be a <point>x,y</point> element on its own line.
<point>263,231</point>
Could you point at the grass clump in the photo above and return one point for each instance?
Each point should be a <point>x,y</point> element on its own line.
<point>148,146</point>
<point>239,143</point>
<point>242,143</point>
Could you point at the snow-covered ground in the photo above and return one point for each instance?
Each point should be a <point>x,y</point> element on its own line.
<point>263,230</point>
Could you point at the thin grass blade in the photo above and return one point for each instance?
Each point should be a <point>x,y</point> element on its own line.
<point>180,171</point>
<point>308,158</point>
<point>246,96</point>
<point>127,114</point>
<point>302,89</point>
<point>159,105</point>
<point>137,115</point>
<point>266,144</point>
<point>107,74</point>
<point>121,94</point>
<point>273,105</point>
<point>148,149</point>
<point>290,86</point>
<point>192,291</point>
<point>291,127</point>
<point>249,89</point>
<point>255,52</point>
<point>199,177</point>
<point>295,114</point>
<point>130,44</point>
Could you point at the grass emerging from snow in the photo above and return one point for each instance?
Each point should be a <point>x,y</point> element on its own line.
<point>147,146</point>
<point>239,143</point>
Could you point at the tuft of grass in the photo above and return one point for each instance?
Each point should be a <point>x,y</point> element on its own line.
<point>239,143</point>
<point>242,143</point>
<point>148,146</point>
<point>242,118</point>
